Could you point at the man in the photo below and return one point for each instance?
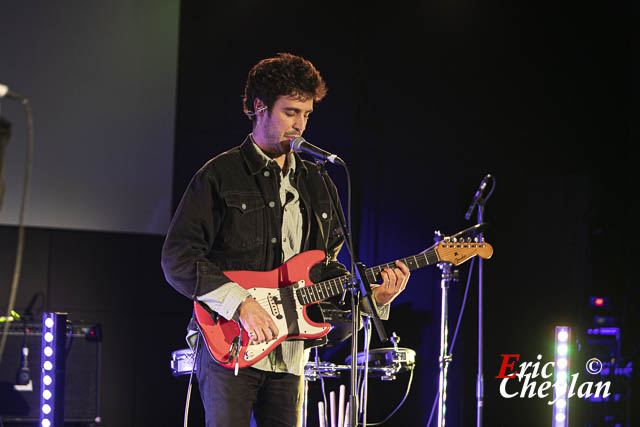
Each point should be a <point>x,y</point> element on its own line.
<point>253,208</point>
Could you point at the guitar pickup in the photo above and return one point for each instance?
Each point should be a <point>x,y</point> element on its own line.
<point>273,305</point>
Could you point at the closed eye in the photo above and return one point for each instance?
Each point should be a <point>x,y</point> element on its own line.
<point>292,112</point>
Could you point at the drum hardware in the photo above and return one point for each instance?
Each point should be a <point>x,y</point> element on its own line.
<point>387,362</point>
<point>182,362</point>
<point>313,371</point>
<point>384,363</point>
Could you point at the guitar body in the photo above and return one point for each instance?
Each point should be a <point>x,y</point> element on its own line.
<point>275,291</point>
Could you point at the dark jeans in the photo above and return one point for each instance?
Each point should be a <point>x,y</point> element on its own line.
<point>275,398</point>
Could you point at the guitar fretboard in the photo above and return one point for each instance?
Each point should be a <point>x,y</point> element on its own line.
<point>332,287</point>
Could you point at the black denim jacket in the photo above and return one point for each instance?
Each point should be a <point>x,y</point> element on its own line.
<point>230,218</point>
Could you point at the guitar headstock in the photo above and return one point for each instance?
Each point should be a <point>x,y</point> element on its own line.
<point>457,251</point>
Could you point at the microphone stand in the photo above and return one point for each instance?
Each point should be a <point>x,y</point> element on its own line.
<point>445,357</point>
<point>480,377</point>
<point>479,200</point>
<point>360,288</point>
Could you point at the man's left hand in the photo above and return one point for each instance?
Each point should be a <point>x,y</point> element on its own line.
<point>394,280</point>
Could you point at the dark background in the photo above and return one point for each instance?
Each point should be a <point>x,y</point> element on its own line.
<point>425,99</point>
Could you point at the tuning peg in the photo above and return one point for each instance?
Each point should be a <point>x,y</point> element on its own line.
<point>475,239</point>
<point>446,239</point>
<point>455,240</point>
<point>483,240</point>
<point>468,239</point>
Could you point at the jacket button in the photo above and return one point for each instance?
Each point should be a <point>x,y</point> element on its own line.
<point>266,173</point>
<point>272,204</point>
<point>324,215</point>
<point>274,240</point>
<point>244,206</point>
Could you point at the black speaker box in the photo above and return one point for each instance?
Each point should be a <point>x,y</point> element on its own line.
<point>82,379</point>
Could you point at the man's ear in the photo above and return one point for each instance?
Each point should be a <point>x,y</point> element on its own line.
<point>258,105</point>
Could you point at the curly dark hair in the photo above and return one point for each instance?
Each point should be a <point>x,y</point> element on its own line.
<point>285,74</point>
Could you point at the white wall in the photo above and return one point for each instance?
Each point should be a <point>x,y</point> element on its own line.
<point>101,78</point>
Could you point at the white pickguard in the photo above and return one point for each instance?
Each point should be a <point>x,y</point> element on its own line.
<point>286,312</point>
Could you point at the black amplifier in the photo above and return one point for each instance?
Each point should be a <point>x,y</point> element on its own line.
<point>20,403</point>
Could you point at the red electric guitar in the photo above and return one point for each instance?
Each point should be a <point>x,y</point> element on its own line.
<point>286,291</point>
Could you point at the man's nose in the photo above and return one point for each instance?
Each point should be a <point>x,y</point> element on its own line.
<point>300,124</point>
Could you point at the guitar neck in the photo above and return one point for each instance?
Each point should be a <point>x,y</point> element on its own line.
<point>332,287</point>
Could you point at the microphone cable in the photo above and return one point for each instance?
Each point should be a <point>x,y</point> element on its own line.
<point>23,208</point>
<point>190,386</point>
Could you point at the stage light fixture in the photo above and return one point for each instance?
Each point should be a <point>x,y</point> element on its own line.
<point>563,336</point>
<point>52,369</point>
<point>561,361</point>
<point>562,349</point>
<point>562,365</point>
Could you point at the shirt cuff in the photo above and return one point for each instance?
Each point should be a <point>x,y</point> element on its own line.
<point>382,310</point>
<point>225,300</point>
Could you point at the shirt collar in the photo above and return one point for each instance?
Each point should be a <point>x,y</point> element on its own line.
<point>256,162</point>
<point>266,159</point>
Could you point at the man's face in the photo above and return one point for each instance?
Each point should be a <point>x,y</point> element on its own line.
<point>288,118</point>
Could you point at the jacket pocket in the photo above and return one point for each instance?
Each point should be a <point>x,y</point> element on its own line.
<point>244,220</point>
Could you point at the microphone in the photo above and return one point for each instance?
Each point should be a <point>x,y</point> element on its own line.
<point>6,93</point>
<point>300,145</point>
<point>477,196</point>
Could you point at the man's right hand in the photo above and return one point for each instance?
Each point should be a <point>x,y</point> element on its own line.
<point>256,321</point>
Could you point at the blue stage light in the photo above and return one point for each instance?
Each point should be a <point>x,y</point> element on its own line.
<point>52,369</point>
<point>562,365</point>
